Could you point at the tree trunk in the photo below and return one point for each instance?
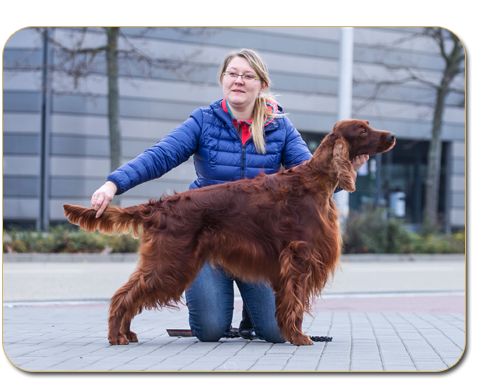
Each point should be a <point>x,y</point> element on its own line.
<point>113,102</point>
<point>434,160</point>
<point>453,62</point>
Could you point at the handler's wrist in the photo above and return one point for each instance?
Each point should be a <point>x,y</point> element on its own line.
<point>112,186</point>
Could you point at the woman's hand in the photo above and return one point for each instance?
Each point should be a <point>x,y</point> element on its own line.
<point>102,197</point>
<point>359,161</point>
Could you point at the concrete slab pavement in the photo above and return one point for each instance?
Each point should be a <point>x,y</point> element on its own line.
<point>73,338</point>
<point>379,321</point>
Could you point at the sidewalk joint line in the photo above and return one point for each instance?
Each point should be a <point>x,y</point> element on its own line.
<point>376,339</point>
<point>402,342</point>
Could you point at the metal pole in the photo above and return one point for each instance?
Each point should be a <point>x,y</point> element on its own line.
<point>43,222</point>
<point>378,197</point>
<point>345,96</point>
<point>346,73</point>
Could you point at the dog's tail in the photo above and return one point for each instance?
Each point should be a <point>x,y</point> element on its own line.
<point>114,219</point>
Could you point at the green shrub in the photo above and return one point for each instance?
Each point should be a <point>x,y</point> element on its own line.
<point>375,232</point>
<point>123,244</point>
<point>440,244</point>
<point>370,232</point>
<point>61,239</point>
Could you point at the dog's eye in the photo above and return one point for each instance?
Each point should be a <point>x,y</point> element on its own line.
<point>363,132</point>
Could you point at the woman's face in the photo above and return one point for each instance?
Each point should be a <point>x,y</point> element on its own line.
<point>241,93</point>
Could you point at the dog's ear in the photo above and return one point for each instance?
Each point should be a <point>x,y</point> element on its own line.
<point>342,167</point>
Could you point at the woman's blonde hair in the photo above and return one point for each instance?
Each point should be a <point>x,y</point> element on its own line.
<point>261,113</point>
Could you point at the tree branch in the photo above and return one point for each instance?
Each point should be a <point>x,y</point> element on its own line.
<point>68,50</point>
<point>378,86</point>
<point>413,76</point>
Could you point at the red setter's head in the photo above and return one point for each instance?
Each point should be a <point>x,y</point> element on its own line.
<point>360,138</point>
<point>351,138</point>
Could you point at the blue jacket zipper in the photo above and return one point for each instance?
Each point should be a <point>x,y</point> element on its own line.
<point>243,162</point>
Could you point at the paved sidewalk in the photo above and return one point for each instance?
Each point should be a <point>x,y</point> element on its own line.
<point>133,257</point>
<point>73,338</point>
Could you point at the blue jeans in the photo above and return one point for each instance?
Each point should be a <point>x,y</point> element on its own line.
<point>210,300</point>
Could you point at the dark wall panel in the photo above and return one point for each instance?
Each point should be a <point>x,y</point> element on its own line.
<point>20,186</point>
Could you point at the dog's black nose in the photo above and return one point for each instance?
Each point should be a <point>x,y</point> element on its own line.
<point>391,137</point>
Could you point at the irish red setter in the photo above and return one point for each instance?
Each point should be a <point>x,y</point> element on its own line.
<point>280,228</point>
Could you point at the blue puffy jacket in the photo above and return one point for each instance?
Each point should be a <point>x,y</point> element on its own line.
<point>219,155</point>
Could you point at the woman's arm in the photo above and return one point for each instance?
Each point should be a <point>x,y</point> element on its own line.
<point>166,154</point>
<point>295,150</point>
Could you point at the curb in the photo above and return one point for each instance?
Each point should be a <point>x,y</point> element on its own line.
<point>133,257</point>
<point>401,257</point>
<point>81,257</point>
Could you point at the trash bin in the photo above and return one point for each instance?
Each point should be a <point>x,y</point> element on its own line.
<point>397,203</point>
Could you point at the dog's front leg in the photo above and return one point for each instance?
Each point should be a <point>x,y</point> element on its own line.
<point>289,315</point>
<point>115,337</point>
<point>298,337</point>
<point>125,329</point>
<point>290,296</point>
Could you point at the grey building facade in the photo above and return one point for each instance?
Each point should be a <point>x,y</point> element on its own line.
<point>304,67</point>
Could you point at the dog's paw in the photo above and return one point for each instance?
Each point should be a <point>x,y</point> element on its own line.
<point>131,336</point>
<point>119,340</point>
<point>302,340</point>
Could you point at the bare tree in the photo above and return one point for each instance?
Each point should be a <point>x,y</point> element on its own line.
<point>453,55</point>
<point>77,58</point>
<point>78,62</point>
<point>454,59</point>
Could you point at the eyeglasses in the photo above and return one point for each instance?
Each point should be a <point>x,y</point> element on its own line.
<point>246,77</point>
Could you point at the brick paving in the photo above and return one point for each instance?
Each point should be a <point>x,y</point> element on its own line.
<point>406,315</point>
<point>73,338</point>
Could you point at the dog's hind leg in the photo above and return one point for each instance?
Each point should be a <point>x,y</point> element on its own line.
<point>161,287</point>
<point>158,282</point>
<point>124,305</point>
<point>290,296</point>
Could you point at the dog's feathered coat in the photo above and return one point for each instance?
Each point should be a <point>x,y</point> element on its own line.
<point>279,228</point>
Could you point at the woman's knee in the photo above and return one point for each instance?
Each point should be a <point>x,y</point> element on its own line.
<point>209,333</point>
<point>210,300</point>
<point>210,325</point>
<point>272,334</point>
<point>260,304</point>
